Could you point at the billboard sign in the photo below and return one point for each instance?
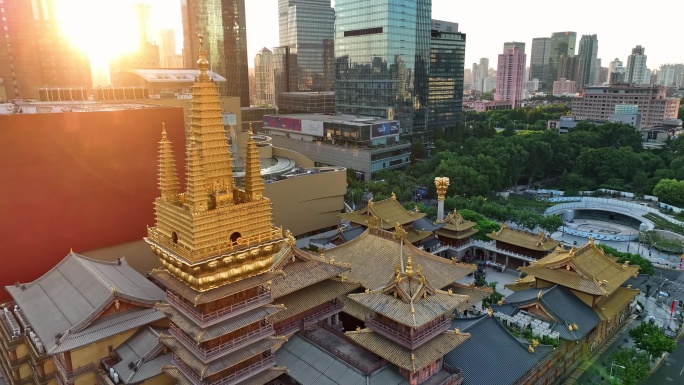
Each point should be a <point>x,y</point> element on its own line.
<point>283,123</point>
<point>312,127</point>
<point>384,129</point>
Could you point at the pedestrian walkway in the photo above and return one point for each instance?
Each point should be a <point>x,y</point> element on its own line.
<point>572,379</point>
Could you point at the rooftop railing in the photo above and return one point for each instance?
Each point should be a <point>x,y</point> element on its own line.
<point>218,315</point>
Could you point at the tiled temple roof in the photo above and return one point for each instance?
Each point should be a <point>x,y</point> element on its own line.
<point>388,212</point>
<point>539,242</point>
<point>312,296</point>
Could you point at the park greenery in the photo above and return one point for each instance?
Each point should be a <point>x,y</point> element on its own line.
<point>481,161</point>
<point>645,266</point>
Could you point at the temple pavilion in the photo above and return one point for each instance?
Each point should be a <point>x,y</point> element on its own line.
<point>528,246</point>
<point>387,213</point>
<point>456,230</point>
<point>235,284</point>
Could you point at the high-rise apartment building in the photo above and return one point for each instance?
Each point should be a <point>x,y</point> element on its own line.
<point>635,72</point>
<point>382,52</point>
<point>34,54</point>
<point>264,88</point>
<point>616,72</point>
<point>669,74</point>
<point>562,44</point>
<point>540,56</point>
<point>597,103</point>
<point>514,44</point>
<point>447,59</point>
<point>308,28</point>
<point>510,77</point>
<point>587,51</point>
<point>480,73</point>
<point>225,39</point>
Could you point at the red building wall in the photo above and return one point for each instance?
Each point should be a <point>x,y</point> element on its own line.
<point>81,180</point>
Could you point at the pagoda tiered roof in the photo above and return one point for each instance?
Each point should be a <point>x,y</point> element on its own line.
<point>409,299</point>
<point>168,280</point>
<point>455,227</point>
<point>314,295</point>
<point>373,254</point>
<point>199,334</point>
<point>387,212</point>
<point>302,269</point>
<point>521,238</point>
<point>403,357</point>
<point>586,269</point>
<point>222,363</point>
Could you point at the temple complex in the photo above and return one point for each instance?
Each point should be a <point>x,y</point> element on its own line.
<point>82,323</point>
<point>519,247</point>
<point>456,230</point>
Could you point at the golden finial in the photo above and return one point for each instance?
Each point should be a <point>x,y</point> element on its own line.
<point>413,310</point>
<point>490,312</point>
<point>413,357</point>
<point>535,343</point>
<point>251,133</point>
<point>372,223</point>
<point>290,238</point>
<point>425,294</point>
<point>202,62</point>
<point>539,295</point>
<point>397,271</point>
<point>530,349</point>
<point>570,327</point>
<point>450,291</point>
<point>114,289</point>
<point>71,250</point>
<point>163,131</point>
<point>500,303</point>
<point>367,291</point>
<point>456,330</point>
<point>591,240</point>
<point>394,197</point>
<point>442,183</point>
<point>358,328</point>
<point>504,225</point>
<point>409,266</point>
<point>370,202</point>
<point>322,256</point>
<point>472,284</point>
<point>574,326</point>
<point>332,260</point>
<point>567,267</point>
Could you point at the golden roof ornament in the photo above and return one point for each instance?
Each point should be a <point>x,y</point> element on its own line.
<point>530,349</point>
<point>413,310</point>
<point>394,197</point>
<point>358,328</point>
<point>574,326</point>
<point>591,240</point>
<point>567,267</point>
<point>202,62</point>
<point>332,260</point>
<point>450,291</point>
<point>372,223</point>
<point>399,232</point>
<point>535,343</point>
<point>490,312</point>
<point>456,330</point>
<point>409,266</point>
<point>367,291</point>
<point>442,184</point>
<point>539,295</point>
<point>370,202</point>
<point>322,256</point>
<point>290,238</point>
<point>570,327</point>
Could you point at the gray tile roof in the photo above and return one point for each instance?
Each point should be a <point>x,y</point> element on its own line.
<point>105,328</point>
<point>139,356</point>
<point>492,355</point>
<point>67,298</point>
<point>565,307</point>
<point>423,224</point>
<point>309,364</point>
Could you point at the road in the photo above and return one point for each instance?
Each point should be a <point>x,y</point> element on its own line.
<point>671,371</point>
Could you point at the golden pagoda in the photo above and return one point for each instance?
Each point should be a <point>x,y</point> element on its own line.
<point>217,245</point>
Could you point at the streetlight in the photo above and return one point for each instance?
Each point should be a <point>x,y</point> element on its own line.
<point>611,368</point>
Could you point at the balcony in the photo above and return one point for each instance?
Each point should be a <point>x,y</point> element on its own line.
<point>70,376</point>
<point>209,354</point>
<point>310,321</point>
<point>411,343</point>
<point>233,378</point>
<point>208,319</point>
<point>353,360</point>
<point>457,375</point>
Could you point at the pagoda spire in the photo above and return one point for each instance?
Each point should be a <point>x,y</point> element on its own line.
<point>254,185</point>
<point>197,195</point>
<point>168,179</point>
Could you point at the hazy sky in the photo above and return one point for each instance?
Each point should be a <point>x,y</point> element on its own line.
<point>488,24</point>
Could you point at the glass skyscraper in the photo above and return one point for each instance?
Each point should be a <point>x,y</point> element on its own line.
<point>225,39</point>
<point>382,52</point>
<point>447,60</point>
<point>539,62</point>
<point>562,44</point>
<point>308,27</point>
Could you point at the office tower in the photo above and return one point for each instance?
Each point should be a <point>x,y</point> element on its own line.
<point>264,86</point>
<point>167,50</point>
<point>616,72</point>
<point>587,51</point>
<point>562,43</point>
<point>308,28</point>
<point>635,72</point>
<point>512,44</point>
<point>33,54</point>
<point>447,59</point>
<point>382,53</point>
<point>597,72</point>
<point>225,39</point>
<point>568,68</point>
<point>603,76</point>
<point>284,71</point>
<point>539,61</point>
<point>510,77</point>
<point>480,73</point>
<point>147,54</point>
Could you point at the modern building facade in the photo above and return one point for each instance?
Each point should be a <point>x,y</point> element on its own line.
<point>616,72</point>
<point>569,67</point>
<point>360,143</point>
<point>563,87</point>
<point>540,57</point>
<point>447,60</point>
<point>562,44</point>
<point>597,103</point>
<point>382,52</point>
<point>225,39</point>
<point>670,75</point>
<point>32,53</point>
<point>636,71</point>
<point>168,57</point>
<point>480,73</point>
<point>264,82</point>
<point>514,44</point>
<point>284,71</point>
<point>306,102</point>
<point>588,50</point>
<point>510,76</point>
<point>308,28</point>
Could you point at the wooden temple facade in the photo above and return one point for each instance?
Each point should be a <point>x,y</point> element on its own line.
<point>522,243</point>
<point>456,231</point>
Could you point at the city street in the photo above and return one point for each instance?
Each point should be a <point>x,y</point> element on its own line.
<point>671,371</point>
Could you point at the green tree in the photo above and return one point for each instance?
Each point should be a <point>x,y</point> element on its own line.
<point>651,339</point>
<point>635,363</point>
<point>493,298</point>
<point>551,223</point>
<point>670,191</point>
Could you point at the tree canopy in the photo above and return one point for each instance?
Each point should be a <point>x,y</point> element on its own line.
<point>650,338</point>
